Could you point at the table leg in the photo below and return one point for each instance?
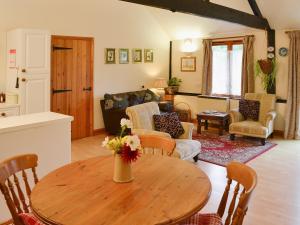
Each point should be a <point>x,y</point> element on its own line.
<point>221,128</point>
<point>227,125</point>
<point>199,126</point>
<point>206,124</point>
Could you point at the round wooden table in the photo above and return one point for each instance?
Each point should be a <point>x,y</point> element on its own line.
<point>165,190</point>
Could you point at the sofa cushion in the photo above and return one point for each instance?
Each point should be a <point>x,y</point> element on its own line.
<point>169,123</point>
<point>135,99</point>
<point>187,149</point>
<point>249,109</point>
<point>252,128</point>
<point>150,96</point>
<point>115,101</point>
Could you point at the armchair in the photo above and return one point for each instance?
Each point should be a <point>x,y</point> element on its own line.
<point>262,128</point>
<point>142,120</point>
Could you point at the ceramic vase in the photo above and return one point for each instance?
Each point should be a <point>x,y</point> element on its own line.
<point>122,170</point>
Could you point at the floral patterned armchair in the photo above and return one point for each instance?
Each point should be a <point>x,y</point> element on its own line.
<point>142,120</point>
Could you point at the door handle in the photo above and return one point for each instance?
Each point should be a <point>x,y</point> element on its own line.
<point>60,91</point>
<point>23,79</point>
<point>87,89</point>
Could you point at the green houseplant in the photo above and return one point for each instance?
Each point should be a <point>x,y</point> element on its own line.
<point>266,69</point>
<point>173,85</point>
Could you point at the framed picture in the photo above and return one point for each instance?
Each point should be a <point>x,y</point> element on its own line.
<point>188,64</point>
<point>123,55</point>
<point>137,55</point>
<point>110,56</point>
<point>149,55</point>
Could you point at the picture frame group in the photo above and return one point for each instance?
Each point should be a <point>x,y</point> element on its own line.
<point>137,54</point>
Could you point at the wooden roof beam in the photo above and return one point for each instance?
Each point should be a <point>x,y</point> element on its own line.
<point>207,9</point>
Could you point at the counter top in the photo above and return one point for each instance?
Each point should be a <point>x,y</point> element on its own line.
<point>31,120</point>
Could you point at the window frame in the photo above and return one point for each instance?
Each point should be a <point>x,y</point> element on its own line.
<point>229,44</point>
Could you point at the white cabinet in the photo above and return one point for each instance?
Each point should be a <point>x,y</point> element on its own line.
<point>7,110</point>
<point>29,60</point>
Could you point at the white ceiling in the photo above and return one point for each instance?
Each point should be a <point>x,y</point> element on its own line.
<point>280,14</point>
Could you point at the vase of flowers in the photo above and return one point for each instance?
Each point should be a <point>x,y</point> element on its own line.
<point>126,150</point>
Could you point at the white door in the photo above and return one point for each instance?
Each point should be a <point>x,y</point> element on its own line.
<point>35,72</point>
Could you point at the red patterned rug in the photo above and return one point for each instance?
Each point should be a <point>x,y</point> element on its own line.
<point>220,150</point>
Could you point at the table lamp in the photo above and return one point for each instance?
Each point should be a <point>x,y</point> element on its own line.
<point>160,84</point>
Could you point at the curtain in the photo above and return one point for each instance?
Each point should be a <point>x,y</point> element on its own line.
<point>207,68</point>
<point>292,130</point>
<point>248,66</point>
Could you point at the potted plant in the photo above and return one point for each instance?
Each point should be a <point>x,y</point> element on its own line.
<point>173,85</point>
<point>266,69</point>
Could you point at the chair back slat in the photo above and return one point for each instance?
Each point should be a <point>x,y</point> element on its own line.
<point>14,196</point>
<point>245,177</point>
<point>28,189</point>
<point>232,204</point>
<point>11,206</point>
<point>20,194</point>
<point>154,144</point>
<point>224,199</point>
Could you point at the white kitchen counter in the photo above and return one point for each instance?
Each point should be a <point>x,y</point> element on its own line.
<point>48,135</point>
<point>13,123</point>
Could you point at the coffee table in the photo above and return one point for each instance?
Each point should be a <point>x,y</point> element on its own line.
<point>221,117</point>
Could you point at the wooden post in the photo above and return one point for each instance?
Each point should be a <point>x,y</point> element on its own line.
<point>271,43</point>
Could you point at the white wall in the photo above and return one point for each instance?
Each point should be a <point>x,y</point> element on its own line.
<point>113,24</point>
<point>192,80</point>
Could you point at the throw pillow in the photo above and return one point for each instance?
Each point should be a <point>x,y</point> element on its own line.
<point>150,96</point>
<point>115,102</point>
<point>168,123</point>
<point>134,99</point>
<point>30,219</point>
<point>249,109</point>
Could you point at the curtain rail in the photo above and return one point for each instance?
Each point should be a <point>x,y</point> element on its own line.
<point>225,38</point>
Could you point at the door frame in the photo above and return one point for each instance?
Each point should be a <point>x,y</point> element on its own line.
<point>91,39</point>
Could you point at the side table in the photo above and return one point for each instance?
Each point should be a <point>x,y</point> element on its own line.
<point>220,117</point>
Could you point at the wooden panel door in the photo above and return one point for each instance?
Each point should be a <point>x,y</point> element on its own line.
<point>72,82</point>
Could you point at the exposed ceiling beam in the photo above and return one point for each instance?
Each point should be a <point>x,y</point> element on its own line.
<point>207,9</point>
<point>256,10</point>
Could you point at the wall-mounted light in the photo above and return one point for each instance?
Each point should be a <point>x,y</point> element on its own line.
<point>188,46</point>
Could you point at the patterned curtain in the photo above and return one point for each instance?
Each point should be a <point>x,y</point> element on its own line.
<point>292,130</point>
<point>207,68</point>
<point>248,66</point>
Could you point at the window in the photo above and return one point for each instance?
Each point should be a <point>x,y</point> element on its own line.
<point>227,68</point>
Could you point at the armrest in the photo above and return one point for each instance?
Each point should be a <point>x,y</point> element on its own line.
<point>150,132</point>
<point>188,130</point>
<point>236,116</point>
<point>270,117</point>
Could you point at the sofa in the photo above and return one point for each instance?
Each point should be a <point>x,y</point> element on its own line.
<point>113,107</point>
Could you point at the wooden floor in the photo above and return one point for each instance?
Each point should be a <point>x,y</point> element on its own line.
<point>276,200</point>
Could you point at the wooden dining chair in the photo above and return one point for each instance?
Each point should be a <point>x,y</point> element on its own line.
<point>154,144</point>
<point>246,180</point>
<point>16,199</point>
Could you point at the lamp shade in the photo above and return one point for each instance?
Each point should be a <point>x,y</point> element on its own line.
<point>160,83</point>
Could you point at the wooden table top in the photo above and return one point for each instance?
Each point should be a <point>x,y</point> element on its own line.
<point>216,115</point>
<point>165,190</point>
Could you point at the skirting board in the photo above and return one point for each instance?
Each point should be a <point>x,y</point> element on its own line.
<point>99,131</point>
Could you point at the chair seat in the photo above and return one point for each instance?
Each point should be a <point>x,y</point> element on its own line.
<point>30,219</point>
<point>249,128</point>
<point>187,149</point>
<point>204,219</point>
